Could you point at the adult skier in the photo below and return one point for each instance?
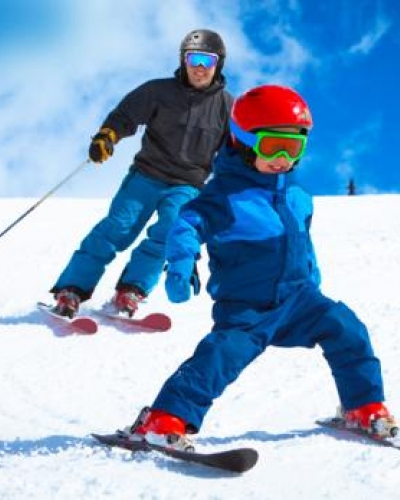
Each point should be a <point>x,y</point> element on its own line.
<point>186,120</point>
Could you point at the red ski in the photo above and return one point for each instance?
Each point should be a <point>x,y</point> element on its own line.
<point>78,324</point>
<point>155,322</point>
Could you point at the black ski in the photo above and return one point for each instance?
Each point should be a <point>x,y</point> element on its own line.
<point>338,424</point>
<point>235,460</point>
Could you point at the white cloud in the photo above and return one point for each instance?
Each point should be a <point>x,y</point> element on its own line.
<point>370,39</point>
<point>57,88</point>
<point>353,147</point>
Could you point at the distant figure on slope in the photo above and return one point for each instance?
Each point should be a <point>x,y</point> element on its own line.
<point>186,119</point>
<point>255,220</point>
<point>351,187</point>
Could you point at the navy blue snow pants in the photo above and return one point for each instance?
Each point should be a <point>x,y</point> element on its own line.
<point>241,333</point>
<point>138,198</point>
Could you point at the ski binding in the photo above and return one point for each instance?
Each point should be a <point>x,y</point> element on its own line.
<point>78,324</point>
<point>339,424</point>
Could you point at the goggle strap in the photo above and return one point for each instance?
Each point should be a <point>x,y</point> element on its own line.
<point>247,138</point>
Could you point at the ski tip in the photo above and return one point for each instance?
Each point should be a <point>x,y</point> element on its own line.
<point>158,321</point>
<point>249,458</point>
<point>235,460</point>
<point>86,326</point>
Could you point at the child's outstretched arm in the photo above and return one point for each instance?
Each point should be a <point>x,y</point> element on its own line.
<point>182,252</point>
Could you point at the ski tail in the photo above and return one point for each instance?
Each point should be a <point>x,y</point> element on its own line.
<point>339,424</point>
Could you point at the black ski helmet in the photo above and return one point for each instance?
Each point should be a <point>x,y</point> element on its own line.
<point>207,41</point>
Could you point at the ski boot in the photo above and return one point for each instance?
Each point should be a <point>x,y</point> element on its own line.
<point>160,428</point>
<point>126,300</point>
<point>68,303</point>
<point>372,418</point>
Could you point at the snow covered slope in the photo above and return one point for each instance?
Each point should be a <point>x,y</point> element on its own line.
<point>55,390</point>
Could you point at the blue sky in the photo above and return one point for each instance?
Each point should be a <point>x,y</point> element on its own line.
<point>66,63</point>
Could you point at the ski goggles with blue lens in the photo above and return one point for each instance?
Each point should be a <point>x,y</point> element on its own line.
<point>205,59</point>
<point>268,144</point>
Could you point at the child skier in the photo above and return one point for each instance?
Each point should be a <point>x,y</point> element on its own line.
<point>255,221</point>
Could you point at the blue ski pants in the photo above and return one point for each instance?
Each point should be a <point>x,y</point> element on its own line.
<point>241,334</point>
<point>138,198</point>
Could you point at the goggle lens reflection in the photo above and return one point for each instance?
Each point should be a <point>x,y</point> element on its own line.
<point>205,59</point>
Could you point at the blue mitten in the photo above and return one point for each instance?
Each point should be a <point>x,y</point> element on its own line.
<point>182,275</point>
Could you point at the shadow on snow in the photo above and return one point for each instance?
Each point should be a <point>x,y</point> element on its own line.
<point>43,446</point>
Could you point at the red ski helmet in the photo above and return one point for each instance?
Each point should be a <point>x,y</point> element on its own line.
<point>270,106</point>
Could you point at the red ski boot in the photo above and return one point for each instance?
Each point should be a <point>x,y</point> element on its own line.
<point>67,303</point>
<point>373,418</point>
<point>159,427</point>
<point>127,300</point>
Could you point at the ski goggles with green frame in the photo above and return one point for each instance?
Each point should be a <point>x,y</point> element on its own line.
<point>206,59</point>
<point>268,144</point>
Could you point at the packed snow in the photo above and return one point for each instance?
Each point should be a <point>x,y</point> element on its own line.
<point>56,389</point>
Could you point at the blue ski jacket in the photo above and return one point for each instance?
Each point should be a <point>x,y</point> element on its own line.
<point>257,231</point>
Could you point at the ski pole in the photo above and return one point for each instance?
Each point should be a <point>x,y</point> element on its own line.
<point>61,183</point>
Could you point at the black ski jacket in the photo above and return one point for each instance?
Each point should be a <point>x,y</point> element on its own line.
<point>184,127</point>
